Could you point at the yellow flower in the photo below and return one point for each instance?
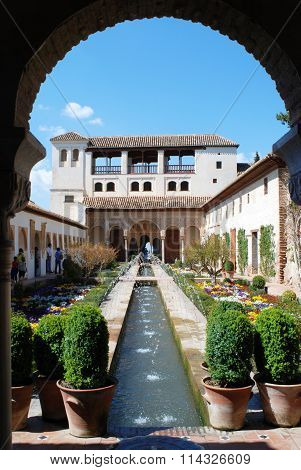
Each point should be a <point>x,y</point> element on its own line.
<point>34,326</point>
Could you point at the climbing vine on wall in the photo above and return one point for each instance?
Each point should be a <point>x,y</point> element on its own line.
<point>242,245</point>
<point>227,238</point>
<point>267,250</point>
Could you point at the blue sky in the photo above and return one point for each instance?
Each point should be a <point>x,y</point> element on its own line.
<point>156,76</point>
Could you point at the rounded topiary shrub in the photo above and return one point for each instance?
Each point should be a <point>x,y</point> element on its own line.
<point>21,350</point>
<point>288,296</point>
<point>48,345</point>
<point>277,347</point>
<point>229,266</point>
<point>225,305</point>
<point>86,348</point>
<point>258,282</point>
<point>229,348</point>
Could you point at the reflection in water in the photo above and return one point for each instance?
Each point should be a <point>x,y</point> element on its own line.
<point>153,388</point>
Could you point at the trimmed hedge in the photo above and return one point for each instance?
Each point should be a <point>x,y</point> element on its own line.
<point>229,348</point>
<point>48,345</point>
<point>21,350</point>
<point>86,348</point>
<point>258,282</point>
<point>225,305</point>
<point>277,346</point>
<point>288,296</point>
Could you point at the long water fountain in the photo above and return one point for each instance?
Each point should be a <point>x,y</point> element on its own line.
<point>153,389</point>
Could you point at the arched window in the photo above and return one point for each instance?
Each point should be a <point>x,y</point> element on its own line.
<point>111,187</point>
<point>135,186</point>
<point>75,155</point>
<point>98,187</point>
<point>172,186</point>
<point>184,186</point>
<point>63,157</point>
<point>147,186</point>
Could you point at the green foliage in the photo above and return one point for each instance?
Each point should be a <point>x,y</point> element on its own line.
<point>21,350</point>
<point>229,266</point>
<point>86,348</point>
<point>284,118</point>
<point>267,250</point>
<point>277,347</point>
<point>227,280</point>
<point>72,272</point>
<point>288,296</point>
<point>225,305</point>
<point>229,348</point>
<point>227,239</point>
<point>94,296</point>
<point>242,257</point>
<point>241,282</point>
<point>178,263</point>
<point>258,282</point>
<point>257,157</point>
<point>48,345</point>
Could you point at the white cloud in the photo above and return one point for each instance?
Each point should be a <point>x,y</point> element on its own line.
<point>53,130</point>
<point>41,179</point>
<point>96,122</point>
<point>243,158</point>
<point>42,107</point>
<point>75,110</point>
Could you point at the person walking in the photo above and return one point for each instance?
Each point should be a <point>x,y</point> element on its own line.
<point>14,270</point>
<point>58,261</point>
<point>21,264</point>
<point>48,259</point>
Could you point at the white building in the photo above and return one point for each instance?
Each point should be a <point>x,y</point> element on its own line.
<point>34,228</point>
<point>148,166</point>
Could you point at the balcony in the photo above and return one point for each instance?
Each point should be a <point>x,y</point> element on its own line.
<point>179,169</point>
<point>142,169</point>
<point>106,170</point>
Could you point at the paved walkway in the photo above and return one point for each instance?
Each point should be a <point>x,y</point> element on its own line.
<point>189,330</point>
<point>273,287</point>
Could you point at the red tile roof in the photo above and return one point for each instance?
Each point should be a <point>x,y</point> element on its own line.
<point>149,141</point>
<point>145,202</point>
<point>34,208</point>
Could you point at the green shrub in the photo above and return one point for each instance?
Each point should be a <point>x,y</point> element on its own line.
<point>71,270</point>
<point>288,296</point>
<point>205,303</point>
<point>178,263</point>
<point>258,282</point>
<point>242,282</point>
<point>228,266</point>
<point>86,349</point>
<point>226,305</point>
<point>21,350</point>
<point>277,346</point>
<point>48,345</point>
<point>94,296</point>
<point>229,348</point>
<point>227,279</point>
<point>255,292</point>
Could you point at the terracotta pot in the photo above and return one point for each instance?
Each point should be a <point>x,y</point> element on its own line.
<point>281,403</point>
<point>227,407</point>
<point>21,398</point>
<point>51,400</point>
<point>87,410</point>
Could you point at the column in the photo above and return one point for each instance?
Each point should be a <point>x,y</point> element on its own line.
<point>124,162</point>
<point>126,249</point>
<point>161,168</point>
<point>162,235</point>
<point>182,236</point>
<point>18,148</point>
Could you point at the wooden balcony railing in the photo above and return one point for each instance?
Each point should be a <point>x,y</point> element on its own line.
<point>179,169</point>
<point>142,169</point>
<point>106,170</point>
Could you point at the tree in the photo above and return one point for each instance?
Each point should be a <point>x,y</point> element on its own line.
<point>209,255</point>
<point>267,250</point>
<point>90,257</point>
<point>284,118</point>
<point>257,157</point>
<point>242,257</point>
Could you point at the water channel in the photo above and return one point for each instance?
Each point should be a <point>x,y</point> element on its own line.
<point>153,389</point>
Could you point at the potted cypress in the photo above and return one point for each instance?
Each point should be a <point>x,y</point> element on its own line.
<point>87,389</point>
<point>21,362</point>
<point>229,268</point>
<point>277,355</point>
<point>48,354</point>
<point>229,348</point>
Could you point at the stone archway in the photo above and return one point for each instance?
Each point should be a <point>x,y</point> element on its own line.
<point>252,28</point>
<point>143,232</point>
<point>172,244</point>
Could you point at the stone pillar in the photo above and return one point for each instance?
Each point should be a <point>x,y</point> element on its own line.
<point>162,235</point>
<point>125,236</point>
<point>182,236</point>
<point>161,168</point>
<point>289,149</point>
<point>124,162</point>
<point>19,152</point>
